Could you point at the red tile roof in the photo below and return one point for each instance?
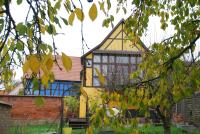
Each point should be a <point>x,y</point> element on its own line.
<point>61,74</point>
<point>72,75</point>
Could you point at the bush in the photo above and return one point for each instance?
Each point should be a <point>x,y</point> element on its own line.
<point>72,104</point>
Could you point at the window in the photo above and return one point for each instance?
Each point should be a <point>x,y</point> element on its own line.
<point>57,88</point>
<point>139,60</point>
<point>111,59</point>
<point>115,68</point>
<point>104,70</point>
<point>97,58</point>
<point>88,63</point>
<point>96,66</point>
<point>104,58</point>
<point>122,59</point>
<point>133,60</point>
<point>96,81</point>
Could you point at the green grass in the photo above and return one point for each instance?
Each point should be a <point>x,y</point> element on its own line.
<point>34,129</point>
<point>148,129</point>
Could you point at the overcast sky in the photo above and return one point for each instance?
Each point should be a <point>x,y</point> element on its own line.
<point>94,33</point>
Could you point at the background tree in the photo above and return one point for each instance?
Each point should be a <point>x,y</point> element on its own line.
<point>168,75</point>
<point>161,87</point>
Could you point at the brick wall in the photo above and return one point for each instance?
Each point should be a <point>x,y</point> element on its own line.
<point>24,109</point>
<point>5,117</point>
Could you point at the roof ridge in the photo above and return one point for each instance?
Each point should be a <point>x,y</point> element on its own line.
<point>99,45</point>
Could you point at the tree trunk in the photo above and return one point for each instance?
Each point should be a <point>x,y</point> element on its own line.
<point>166,120</point>
<point>167,126</point>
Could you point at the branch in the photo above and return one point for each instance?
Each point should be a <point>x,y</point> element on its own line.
<point>192,43</point>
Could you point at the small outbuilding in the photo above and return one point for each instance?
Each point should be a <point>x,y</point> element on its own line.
<point>5,117</point>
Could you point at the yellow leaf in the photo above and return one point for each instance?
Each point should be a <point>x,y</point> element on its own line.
<point>5,50</point>
<point>1,9</point>
<point>106,120</point>
<point>101,77</point>
<point>49,63</point>
<point>79,14</point>
<point>93,12</point>
<point>34,63</point>
<point>89,130</point>
<point>67,62</point>
<point>45,81</point>
<point>42,29</point>
<point>25,67</point>
<point>71,18</point>
<point>30,32</point>
<point>45,70</point>
<point>51,77</point>
<point>136,131</point>
<point>39,101</point>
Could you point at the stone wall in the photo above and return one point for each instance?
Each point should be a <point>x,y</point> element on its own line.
<point>24,109</point>
<point>5,117</point>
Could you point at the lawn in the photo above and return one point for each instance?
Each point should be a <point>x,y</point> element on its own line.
<point>34,129</point>
<point>39,129</point>
<point>150,129</point>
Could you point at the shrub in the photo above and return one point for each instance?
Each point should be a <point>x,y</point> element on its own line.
<point>72,104</point>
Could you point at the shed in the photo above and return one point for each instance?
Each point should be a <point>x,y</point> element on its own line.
<point>5,117</point>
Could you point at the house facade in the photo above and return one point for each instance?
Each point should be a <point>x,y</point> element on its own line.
<point>66,83</point>
<point>115,58</point>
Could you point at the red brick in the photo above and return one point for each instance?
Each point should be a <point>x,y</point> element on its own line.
<point>24,107</point>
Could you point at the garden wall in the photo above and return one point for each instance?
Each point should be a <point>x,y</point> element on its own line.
<point>24,109</point>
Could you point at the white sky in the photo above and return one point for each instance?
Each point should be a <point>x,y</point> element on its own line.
<point>94,33</point>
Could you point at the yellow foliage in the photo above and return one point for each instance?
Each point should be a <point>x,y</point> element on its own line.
<point>34,63</point>
<point>45,80</point>
<point>42,29</point>
<point>79,14</point>
<point>49,63</point>
<point>25,67</point>
<point>89,130</point>
<point>67,62</point>
<point>101,77</point>
<point>71,18</point>
<point>93,12</point>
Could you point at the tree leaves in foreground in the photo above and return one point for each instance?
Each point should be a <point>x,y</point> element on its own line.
<point>22,43</point>
<point>39,101</point>
<point>93,12</point>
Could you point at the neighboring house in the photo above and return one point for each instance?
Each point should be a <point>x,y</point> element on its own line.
<point>2,89</point>
<point>65,84</point>
<point>115,58</point>
<point>12,90</point>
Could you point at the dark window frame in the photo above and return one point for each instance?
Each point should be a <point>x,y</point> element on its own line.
<point>52,91</point>
<point>129,64</point>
